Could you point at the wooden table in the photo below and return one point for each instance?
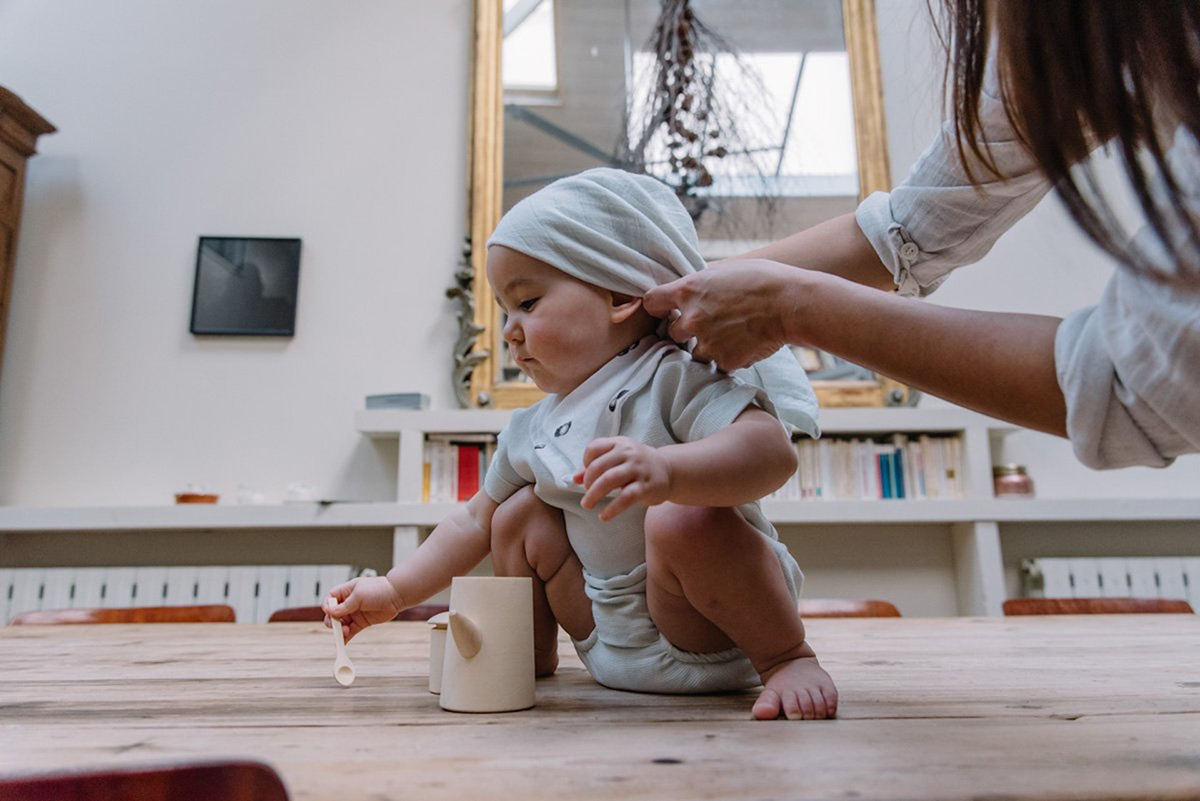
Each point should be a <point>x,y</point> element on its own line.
<point>1097,707</point>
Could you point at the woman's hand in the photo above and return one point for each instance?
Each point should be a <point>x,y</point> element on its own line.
<point>739,311</point>
<point>362,602</point>
<point>638,473</point>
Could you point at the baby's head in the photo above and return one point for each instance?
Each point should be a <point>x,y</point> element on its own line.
<point>570,263</point>
<point>614,229</point>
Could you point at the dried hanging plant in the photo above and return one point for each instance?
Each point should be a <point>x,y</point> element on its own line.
<point>689,116</point>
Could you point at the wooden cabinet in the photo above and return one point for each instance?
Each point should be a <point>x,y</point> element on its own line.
<point>20,126</point>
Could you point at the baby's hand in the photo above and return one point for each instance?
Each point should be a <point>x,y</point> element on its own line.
<point>362,602</point>
<point>638,473</point>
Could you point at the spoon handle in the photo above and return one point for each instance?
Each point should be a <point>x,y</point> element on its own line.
<point>343,670</point>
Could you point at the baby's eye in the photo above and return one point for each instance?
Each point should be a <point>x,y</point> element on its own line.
<point>526,305</point>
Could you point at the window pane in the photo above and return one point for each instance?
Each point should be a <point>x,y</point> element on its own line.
<point>818,157</point>
<point>529,60</point>
<point>821,141</point>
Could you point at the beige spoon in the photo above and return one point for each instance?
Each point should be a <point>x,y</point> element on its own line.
<point>343,670</point>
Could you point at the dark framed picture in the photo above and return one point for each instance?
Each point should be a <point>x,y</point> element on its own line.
<point>246,286</point>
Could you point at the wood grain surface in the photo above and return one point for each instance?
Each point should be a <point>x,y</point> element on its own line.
<point>1058,707</point>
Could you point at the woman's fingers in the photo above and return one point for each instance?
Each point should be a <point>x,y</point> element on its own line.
<point>661,300</point>
<point>678,329</point>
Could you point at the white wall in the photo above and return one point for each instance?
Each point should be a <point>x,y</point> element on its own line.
<point>341,124</point>
<point>344,125</point>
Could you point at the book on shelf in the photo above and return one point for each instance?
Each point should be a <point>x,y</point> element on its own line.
<point>895,467</point>
<point>454,466</point>
<point>398,400</point>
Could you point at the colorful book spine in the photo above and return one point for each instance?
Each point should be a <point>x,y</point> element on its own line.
<point>455,466</point>
<point>890,467</point>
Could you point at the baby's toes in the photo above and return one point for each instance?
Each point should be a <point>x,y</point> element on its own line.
<point>799,705</point>
<point>831,701</point>
<point>768,706</point>
<point>820,708</point>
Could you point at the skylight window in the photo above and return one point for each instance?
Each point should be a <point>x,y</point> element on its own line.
<point>530,61</point>
<point>803,142</point>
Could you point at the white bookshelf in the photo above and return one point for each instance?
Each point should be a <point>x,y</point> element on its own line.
<point>352,515</point>
<point>972,523</point>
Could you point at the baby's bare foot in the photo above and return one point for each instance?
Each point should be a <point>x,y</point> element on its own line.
<point>798,690</point>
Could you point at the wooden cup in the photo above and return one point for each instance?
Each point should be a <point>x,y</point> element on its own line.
<point>489,661</point>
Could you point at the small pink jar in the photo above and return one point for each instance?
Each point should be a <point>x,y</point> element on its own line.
<point>1011,481</point>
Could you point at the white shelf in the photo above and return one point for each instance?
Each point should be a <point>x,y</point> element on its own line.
<point>388,423</point>
<point>994,510</point>
<point>202,517</point>
<point>196,517</point>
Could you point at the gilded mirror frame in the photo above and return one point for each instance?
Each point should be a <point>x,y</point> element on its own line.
<point>477,367</point>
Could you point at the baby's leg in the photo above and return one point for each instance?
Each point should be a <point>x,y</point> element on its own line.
<point>713,582</point>
<point>529,538</point>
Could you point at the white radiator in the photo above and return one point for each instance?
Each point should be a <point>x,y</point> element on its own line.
<point>254,591</point>
<point>1176,577</point>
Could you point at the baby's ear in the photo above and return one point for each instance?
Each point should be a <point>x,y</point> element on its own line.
<point>623,307</point>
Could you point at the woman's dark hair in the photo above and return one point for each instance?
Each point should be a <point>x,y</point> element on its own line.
<point>1077,73</point>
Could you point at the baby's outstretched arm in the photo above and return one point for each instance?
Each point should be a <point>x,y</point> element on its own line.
<point>742,462</point>
<point>457,544</point>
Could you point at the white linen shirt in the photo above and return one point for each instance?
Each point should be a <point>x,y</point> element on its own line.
<point>1129,367</point>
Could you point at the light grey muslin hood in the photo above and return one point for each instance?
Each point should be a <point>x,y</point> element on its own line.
<point>629,233</point>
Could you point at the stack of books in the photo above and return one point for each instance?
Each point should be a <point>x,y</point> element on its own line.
<point>455,465</point>
<point>899,467</point>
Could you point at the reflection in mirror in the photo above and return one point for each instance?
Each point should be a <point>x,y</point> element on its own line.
<point>769,107</point>
<point>764,115</point>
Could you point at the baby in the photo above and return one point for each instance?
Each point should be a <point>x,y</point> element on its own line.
<point>630,493</point>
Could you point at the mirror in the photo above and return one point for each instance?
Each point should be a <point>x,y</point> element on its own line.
<point>561,86</point>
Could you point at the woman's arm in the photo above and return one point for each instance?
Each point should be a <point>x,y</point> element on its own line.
<point>742,462</point>
<point>998,364</point>
<point>835,246</point>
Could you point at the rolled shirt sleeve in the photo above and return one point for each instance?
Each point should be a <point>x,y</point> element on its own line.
<point>936,220</point>
<point>1129,368</point>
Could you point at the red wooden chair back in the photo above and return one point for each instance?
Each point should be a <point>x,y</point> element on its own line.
<point>846,607</point>
<point>1093,606</point>
<point>211,613</point>
<point>228,781</point>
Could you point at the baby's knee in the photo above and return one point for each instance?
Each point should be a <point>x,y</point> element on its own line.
<point>674,531</point>
<point>524,520</point>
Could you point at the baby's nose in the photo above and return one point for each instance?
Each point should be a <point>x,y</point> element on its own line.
<point>510,329</point>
